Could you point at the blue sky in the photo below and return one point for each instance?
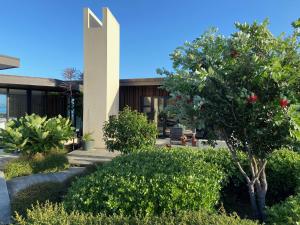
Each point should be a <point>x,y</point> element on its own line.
<point>47,34</point>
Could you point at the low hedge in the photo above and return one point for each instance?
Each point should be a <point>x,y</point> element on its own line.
<point>49,191</point>
<point>283,174</point>
<point>17,168</point>
<point>52,162</point>
<point>287,212</point>
<point>150,182</point>
<point>283,171</point>
<point>223,160</point>
<point>55,214</point>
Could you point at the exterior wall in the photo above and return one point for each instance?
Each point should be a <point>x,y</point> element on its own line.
<point>22,101</point>
<point>131,95</point>
<point>101,72</point>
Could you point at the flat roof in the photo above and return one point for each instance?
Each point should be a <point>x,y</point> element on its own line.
<point>28,82</point>
<point>49,83</point>
<point>8,62</point>
<point>142,82</point>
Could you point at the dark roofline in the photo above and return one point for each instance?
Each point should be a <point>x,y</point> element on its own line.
<point>30,82</point>
<point>142,82</point>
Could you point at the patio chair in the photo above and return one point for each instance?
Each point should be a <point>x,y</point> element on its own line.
<point>175,134</point>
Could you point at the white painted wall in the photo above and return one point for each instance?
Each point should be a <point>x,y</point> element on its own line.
<point>101,72</point>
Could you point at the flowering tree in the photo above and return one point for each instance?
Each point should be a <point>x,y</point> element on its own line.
<point>245,87</point>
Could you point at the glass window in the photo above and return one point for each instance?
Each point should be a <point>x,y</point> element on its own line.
<point>161,104</point>
<point>17,103</point>
<point>3,102</point>
<point>146,105</point>
<point>38,102</point>
<point>3,107</point>
<point>147,101</point>
<point>56,104</point>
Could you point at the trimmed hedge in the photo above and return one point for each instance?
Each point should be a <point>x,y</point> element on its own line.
<point>53,162</point>
<point>49,191</point>
<point>23,166</point>
<point>17,168</point>
<point>283,174</point>
<point>287,212</point>
<point>55,214</point>
<point>222,159</point>
<point>150,182</point>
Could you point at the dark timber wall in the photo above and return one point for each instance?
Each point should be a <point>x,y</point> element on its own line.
<point>131,95</point>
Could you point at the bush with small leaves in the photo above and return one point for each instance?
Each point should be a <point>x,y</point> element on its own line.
<point>39,163</point>
<point>149,183</point>
<point>287,212</point>
<point>49,191</point>
<point>129,132</point>
<point>18,167</point>
<point>283,171</point>
<point>50,163</point>
<point>55,214</point>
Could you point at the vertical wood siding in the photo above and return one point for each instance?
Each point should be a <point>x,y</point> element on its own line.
<point>131,95</point>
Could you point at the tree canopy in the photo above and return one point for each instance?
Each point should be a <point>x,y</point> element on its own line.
<point>244,87</point>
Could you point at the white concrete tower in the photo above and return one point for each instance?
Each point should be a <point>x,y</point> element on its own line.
<point>101,72</point>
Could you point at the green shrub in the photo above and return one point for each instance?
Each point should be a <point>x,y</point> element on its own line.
<point>234,193</point>
<point>54,162</point>
<point>287,212</point>
<point>40,163</point>
<point>33,134</point>
<point>17,168</point>
<point>129,132</point>
<point>55,214</point>
<point>49,191</point>
<point>150,182</point>
<point>283,174</point>
<point>222,158</point>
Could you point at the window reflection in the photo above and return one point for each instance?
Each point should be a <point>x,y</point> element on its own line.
<point>38,102</point>
<point>17,103</point>
<point>3,107</point>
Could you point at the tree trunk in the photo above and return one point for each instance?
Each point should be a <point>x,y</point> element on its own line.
<point>262,187</point>
<point>253,202</point>
<point>256,182</point>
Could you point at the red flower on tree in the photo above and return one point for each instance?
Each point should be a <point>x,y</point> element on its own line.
<point>234,53</point>
<point>252,98</point>
<point>178,97</point>
<point>283,102</point>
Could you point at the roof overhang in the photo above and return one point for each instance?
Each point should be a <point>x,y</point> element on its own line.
<point>141,82</point>
<point>7,62</point>
<point>12,81</point>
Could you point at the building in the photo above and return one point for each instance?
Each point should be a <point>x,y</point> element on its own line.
<point>104,93</point>
<point>22,94</point>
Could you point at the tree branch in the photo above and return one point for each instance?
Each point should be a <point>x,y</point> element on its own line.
<point>262,168</point>
<point>233,153</point>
